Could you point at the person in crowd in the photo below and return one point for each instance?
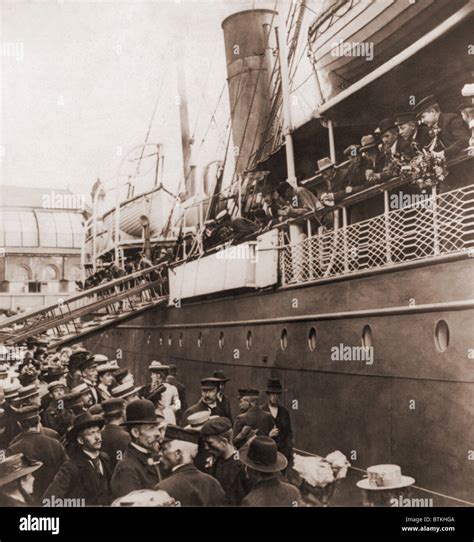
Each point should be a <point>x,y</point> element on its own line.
<point>257,419</point>
<point>37,446</point>
<point>105,379</point>
<point>86,395</point>
<point>221,396</point>
<point>208,401</point>
<point>10,415</point>
<point>172,378</point>
<point>85,476</point>
<point>126,391</point>
<point>417,136</point>
<point>263,220</point>
<point>88,370</point>
<point>204,457</point>
<point>239,227</point>
<point>269,199</point>
<point>115,438</point>
<point>77,357</point>
<point>299,201</point>
<point>16,480</point>
<point>282,432</point>
<point>186,484</point>
<point>227,469</point>
<point>451,133</point>
<point>138,469</point>
<point>264,463</point>
<point>169,398</point>
<point>56,415</point>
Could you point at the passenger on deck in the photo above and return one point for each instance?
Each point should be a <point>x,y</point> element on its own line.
<point>451,133</point>
<point>263,220</point>
<point>417,136</point>
<point>271,207</point>
<point>298,201</point>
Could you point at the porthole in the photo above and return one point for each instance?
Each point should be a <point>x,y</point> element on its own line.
<point>367,338</point>
<point>161,339</point>
<point>170,340</point>
<point>312,339</point>
<point>199,340</point>
<point>284,340</point>
<point>249,340</point>
<point>180,340</point>
<point>442,335</point>
<point>221,340</point>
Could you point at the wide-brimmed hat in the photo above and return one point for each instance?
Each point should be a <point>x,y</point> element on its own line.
<point>324,164</point>
<point>84,364</point>
<point>10,392</point>
<point>113,406</point>
<point>368,142</point>
<point>16,466</point>
<point>386,124</point>
<point>125,390</point>
<point>158,367</point>
<point>403,118</point>
<point>106,368</point>
<point>424,104</point>
<point>198,419</point>
<point>140,411</point>
<point>262,455</point>
<point>79,355</point>
<point>385,477</point>
<point>173,432</point>
<point>221,376</point>
<point>274,386</point>
<point>27,392</point>
<point>84,421</point>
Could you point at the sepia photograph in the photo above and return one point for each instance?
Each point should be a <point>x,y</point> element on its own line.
<point>236,263</point>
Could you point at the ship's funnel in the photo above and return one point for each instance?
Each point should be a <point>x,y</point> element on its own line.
<point>249,39</point>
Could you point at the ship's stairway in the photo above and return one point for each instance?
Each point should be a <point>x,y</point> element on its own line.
<point>81,315</point>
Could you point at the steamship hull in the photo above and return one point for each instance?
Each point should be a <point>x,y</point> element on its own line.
<point>411,406</point>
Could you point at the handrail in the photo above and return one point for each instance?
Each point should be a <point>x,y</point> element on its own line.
<point>86,293</point>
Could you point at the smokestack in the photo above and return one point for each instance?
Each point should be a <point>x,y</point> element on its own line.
<point>247,36</point>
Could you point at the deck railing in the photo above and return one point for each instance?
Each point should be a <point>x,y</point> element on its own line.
<point>438,225</point>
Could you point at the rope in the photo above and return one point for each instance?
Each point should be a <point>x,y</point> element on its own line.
<point>416,487</point>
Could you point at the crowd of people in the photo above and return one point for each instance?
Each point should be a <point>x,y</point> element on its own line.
<point>366,164</point>
<point>74,425</point>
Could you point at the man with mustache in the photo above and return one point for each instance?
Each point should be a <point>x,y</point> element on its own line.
<point>209,400</point>
<point>138,468</point>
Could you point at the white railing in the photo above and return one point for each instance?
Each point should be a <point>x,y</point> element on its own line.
<point>443,224</point>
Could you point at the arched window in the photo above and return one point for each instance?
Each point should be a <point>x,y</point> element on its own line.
<point>49,273</point>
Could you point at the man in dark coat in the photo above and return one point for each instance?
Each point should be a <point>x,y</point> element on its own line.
<point>186,484</point>
<point>88,369</point>
<point>226,469</point>
<point>56,416</point>
<point>259,421</point>
<point>221,396</point>
<point>138,469</point>
<point>416,135</point>
<point>263,464</point>
<point>209,400</point>
<point>452,133</point>
<point>38,447</point>
<point>115,439</point>
<point>86,474</point>
<point>281,433</point>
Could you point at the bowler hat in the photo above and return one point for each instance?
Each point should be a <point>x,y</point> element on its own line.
<point>248,392</point>
<point>84,364</point>
<point>216,426</point>
<point>173,432</point>
<point>140,411</point>
<point>424,104</point>
<point>16,466</point>
<point>54,373</point>
<point>403,118</point>
<point>220,375</point>
<point>262,455</point>
<point>386,124</point>
<point>84,421</point>
<point>79,355</point>
<point>274,386</point>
